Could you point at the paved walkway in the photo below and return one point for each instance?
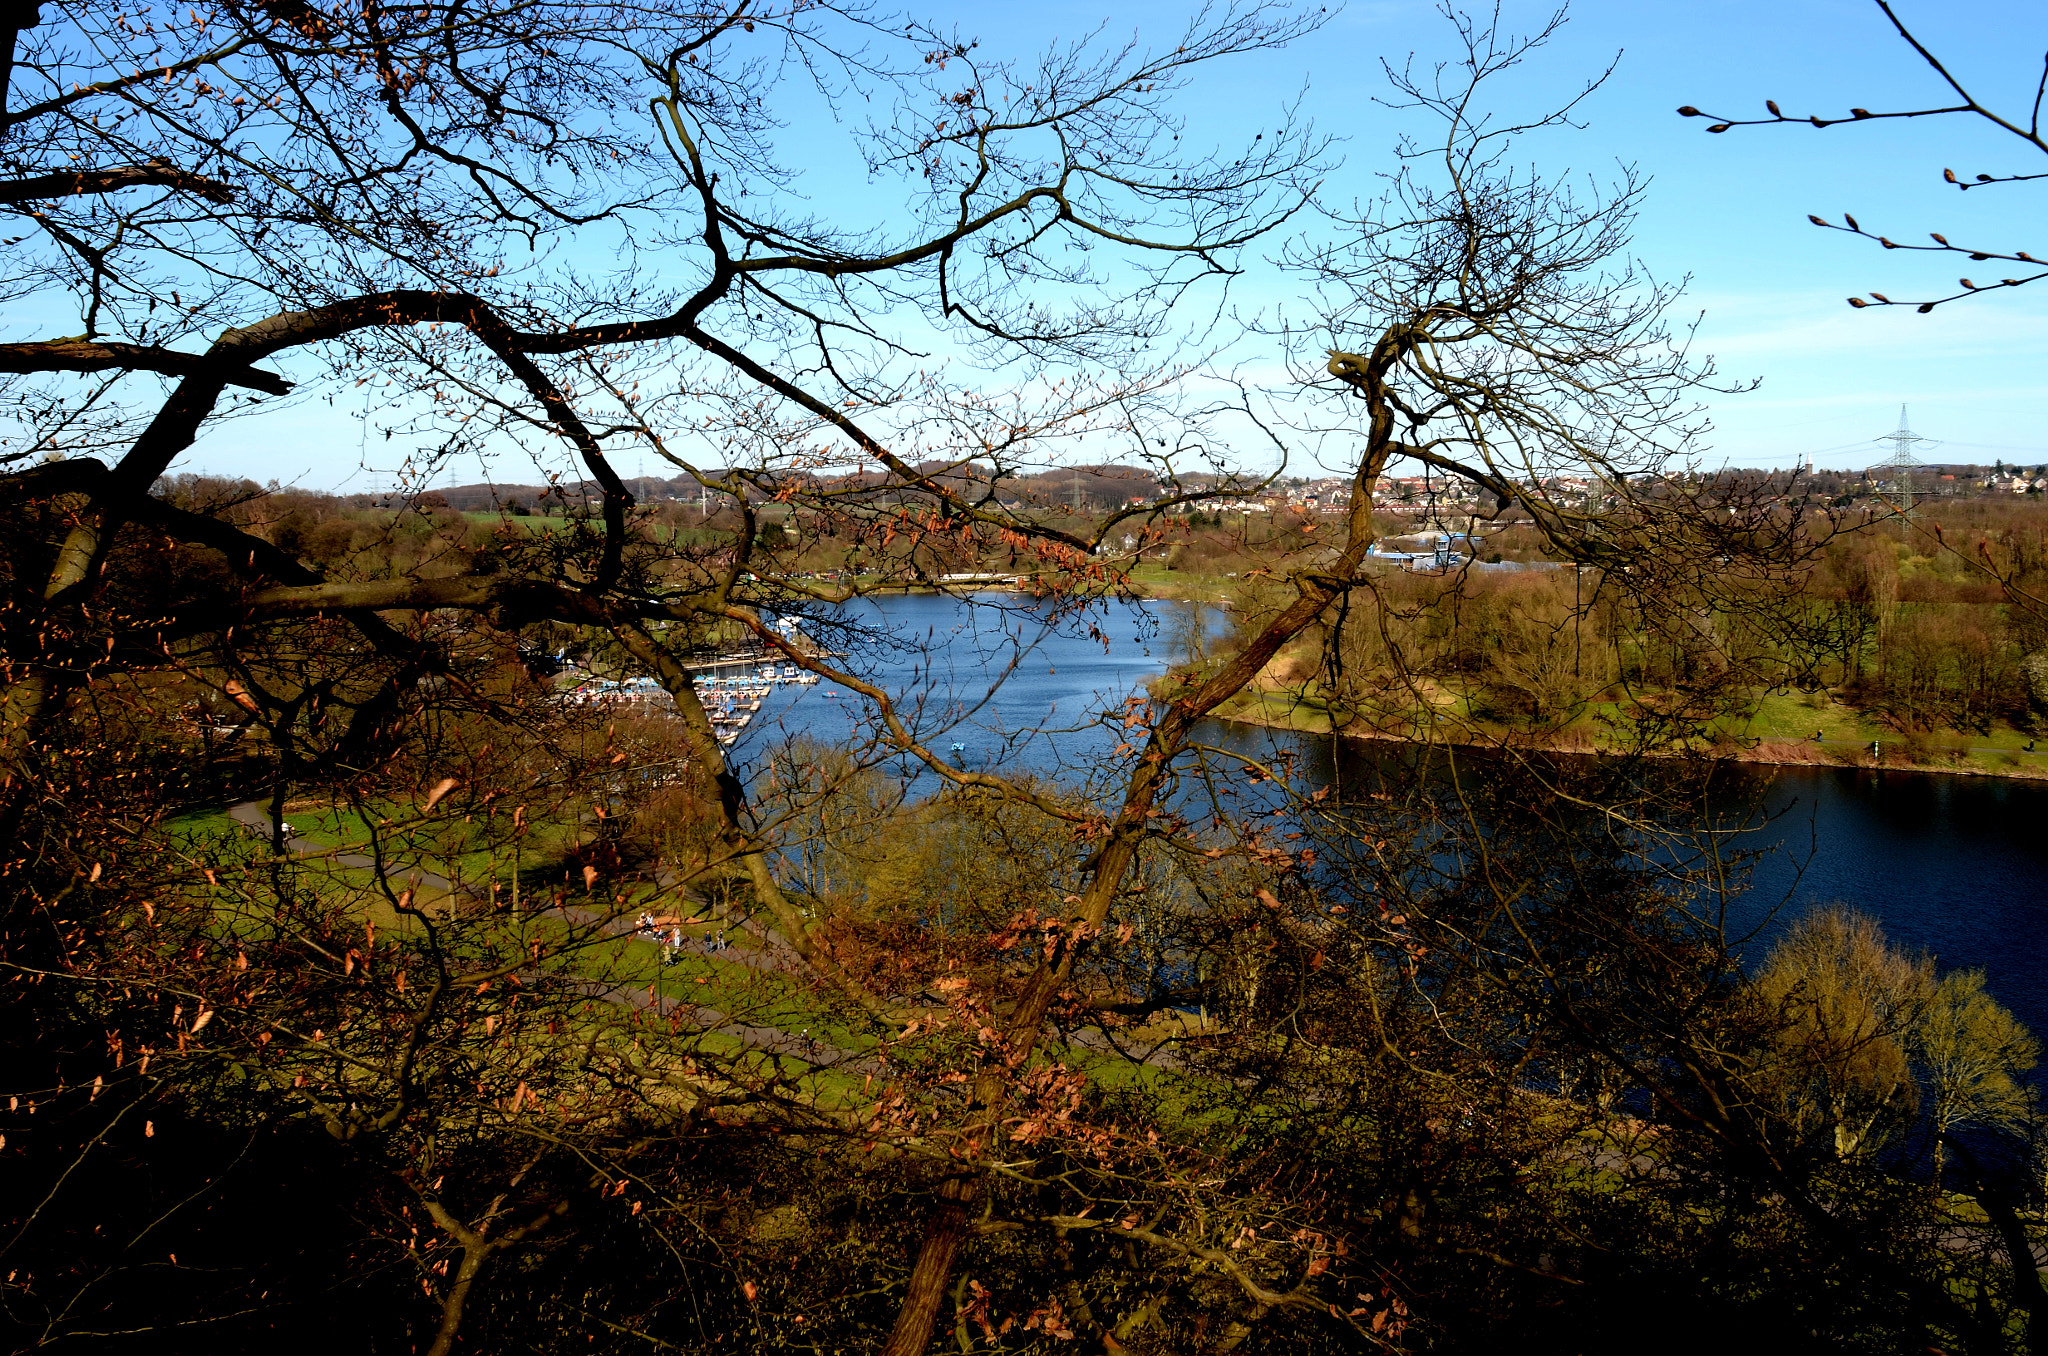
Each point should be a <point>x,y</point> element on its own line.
<point>256,817</point>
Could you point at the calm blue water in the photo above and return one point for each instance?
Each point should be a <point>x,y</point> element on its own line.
<point>1956,866</point>
<point>1021,690</point>
<point>1953,866</point>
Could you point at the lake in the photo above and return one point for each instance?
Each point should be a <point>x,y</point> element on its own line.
<point>1957,866</point>
<point>941,659</point>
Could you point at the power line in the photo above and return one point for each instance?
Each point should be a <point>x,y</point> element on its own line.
<point>1999,447</point>
<point>1763,458</point>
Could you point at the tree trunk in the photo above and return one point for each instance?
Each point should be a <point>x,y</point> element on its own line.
<point>474,1255</point>
<point>943,1235</point>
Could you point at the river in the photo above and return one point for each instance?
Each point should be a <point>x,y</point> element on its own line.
<point>1955,866</point>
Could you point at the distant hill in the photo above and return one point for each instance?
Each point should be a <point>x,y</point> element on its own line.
<point>1094,487</point>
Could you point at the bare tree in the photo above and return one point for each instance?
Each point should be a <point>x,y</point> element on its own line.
<point>2024,127</point>
<point>1492,305</point>
<point>2005,568</point>
<point>1976,1056</point>
<point>406,199</point>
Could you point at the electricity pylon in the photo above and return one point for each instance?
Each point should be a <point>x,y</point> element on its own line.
<point>1903,462</point>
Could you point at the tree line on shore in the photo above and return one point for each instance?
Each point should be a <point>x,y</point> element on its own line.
<point>1902,625</point>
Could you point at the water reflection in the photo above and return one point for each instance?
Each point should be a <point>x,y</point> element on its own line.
<point>1955,866</point>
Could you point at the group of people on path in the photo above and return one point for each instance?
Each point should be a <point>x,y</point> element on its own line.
<point>668,932</point>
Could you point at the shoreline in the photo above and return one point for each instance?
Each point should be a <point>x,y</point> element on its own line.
<point>1762,753</point>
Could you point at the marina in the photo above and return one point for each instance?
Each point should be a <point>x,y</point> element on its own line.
<point>731,700</point>
<point>731,687</point>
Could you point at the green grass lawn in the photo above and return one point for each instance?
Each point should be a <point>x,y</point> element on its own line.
<point>213,822</point>
<point>745,994</point>
<point>1156,579</point>
<point>1796,716</point>
<point>1307,709</point>
<point>445,846</point>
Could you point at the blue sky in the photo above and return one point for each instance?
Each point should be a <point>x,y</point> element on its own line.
<point>1729,210</point>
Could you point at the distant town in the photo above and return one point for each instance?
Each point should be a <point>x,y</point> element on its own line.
<point>1099,489</point>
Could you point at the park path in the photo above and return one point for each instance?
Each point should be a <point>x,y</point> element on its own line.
<point>251,815</point>
<point>770,954</point>
<point>1880,743</point>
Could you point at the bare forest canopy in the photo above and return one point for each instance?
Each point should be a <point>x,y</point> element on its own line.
<point>368,982</point>
<point>1098,488</point>
<point>1896,635</point>
<point>1091,487</point>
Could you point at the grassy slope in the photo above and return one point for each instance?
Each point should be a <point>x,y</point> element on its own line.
<point>1779,730</point>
